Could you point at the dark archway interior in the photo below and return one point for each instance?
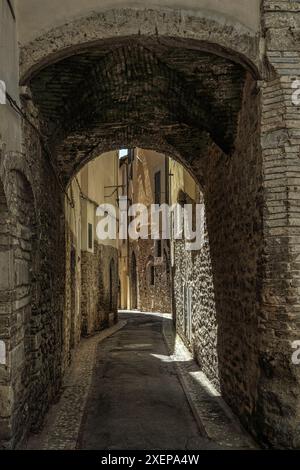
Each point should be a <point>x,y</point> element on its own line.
<point>173,99</point>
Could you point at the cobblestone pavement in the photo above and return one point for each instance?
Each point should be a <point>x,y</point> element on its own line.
<point>130,392</point>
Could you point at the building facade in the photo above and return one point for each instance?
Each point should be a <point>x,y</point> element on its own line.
<point>145,263</point>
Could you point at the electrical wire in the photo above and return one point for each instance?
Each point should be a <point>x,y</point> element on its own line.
<point>44,145</point>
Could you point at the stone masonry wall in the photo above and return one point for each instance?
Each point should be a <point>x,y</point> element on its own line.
<point>193,270</point>
<point>5,310</point>
<point>226,274</point>
<point>233,198</point>
<point>278,411</point>
<point>34,348</point>
<point>95,288</point>
<point>156,298</point>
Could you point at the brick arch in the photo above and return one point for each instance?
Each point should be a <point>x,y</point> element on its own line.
<point>124,93</point>
<point>201,108</point>
<point>204,32</point>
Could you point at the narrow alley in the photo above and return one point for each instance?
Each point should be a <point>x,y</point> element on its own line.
<point>125,393</point>
<point>136,400</point>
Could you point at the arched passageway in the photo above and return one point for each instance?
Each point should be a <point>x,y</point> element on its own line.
<point>196,97</point>
<point>201,108</point>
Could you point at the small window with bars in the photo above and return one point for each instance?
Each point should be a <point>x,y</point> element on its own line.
<point>158,249</point>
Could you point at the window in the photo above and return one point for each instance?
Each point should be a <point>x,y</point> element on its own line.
<point>158,249</point>
<point>157,187</point>
<point>152,275</point>
<point>90,236</point>
<point>126,153</point>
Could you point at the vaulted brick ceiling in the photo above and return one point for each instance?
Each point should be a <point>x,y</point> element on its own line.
<point>137,92</point>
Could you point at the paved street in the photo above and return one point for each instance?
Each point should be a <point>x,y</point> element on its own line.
<point>136,400</point>
<point>124,391</point>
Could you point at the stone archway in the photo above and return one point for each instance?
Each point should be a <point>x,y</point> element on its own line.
<point>206,32</point>
<point>203,107</point>
<point>200,108</point>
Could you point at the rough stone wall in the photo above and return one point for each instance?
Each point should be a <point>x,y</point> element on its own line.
<point>157,297</point>
<point>96,307</point>
<point>193,270</point>
<point>33,370</point>
<point>234,204</point>
<point>18,390</point>
<point>50,273</point>
<point>279,385</point>
<point>37,320</point>
<point>5,310</point>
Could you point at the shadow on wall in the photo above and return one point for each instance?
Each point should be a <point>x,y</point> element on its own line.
<point>234,207</point>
